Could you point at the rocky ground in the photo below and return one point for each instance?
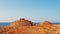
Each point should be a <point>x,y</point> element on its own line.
<point>23,26</point>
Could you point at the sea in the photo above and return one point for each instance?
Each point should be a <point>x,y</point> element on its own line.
<point>7,23</point>
<point>4,23</point>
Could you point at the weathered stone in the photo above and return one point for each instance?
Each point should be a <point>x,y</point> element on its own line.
<point>23,26</point>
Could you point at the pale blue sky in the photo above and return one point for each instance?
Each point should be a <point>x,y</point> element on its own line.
<point>34,10</point>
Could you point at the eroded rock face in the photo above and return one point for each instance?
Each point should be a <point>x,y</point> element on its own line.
<point>21,22</point>
<point>23,26</point>
<point>47,25</point>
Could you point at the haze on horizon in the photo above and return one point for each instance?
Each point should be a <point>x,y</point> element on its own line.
<point>34,10</point>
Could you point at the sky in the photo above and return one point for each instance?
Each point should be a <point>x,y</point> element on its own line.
<point>34,10</point>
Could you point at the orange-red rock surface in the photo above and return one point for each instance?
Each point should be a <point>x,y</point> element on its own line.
<point>21,22</point>
<point>23,26</point>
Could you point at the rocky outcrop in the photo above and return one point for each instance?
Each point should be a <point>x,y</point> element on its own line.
<point>46,24</point>
<point>21,22</point>
<point>23,26</point>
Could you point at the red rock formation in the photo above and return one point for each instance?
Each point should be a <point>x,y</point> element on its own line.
<point>46,24</point>
<point>23,26</point>
<point>21,22</point>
